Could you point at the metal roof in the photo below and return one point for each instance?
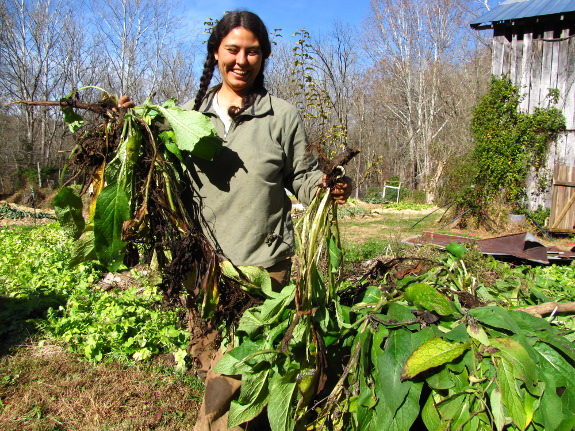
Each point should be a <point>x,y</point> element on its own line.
<point>516,9</point>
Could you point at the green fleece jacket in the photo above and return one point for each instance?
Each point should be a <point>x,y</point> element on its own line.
<point>243,188</point>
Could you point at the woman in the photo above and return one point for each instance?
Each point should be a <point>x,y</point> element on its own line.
<point>264,150</point>
<point>243,188</point>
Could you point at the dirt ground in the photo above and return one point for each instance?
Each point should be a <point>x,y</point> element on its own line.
<point>44,387</point>
<point>26,216</point>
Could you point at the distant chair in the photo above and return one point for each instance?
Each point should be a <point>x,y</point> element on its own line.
<point>393,185</point>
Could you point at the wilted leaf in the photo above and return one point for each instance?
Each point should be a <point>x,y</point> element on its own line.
<point>478,333</point>
<point>112,210</point>
<point>68,209</point>
<point>255,278</point>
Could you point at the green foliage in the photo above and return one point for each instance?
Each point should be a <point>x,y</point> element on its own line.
<point>30,175</point>
<point>39,289</point>
<point>121,325</point>
<point>359,252</point>
<point>508,143</point>
<point>540,215</point>
<point>9,212</point>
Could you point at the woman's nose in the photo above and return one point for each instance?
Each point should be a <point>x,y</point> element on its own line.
<point>241,57</point>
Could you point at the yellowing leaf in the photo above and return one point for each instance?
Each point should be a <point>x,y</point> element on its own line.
<point>432,353</point>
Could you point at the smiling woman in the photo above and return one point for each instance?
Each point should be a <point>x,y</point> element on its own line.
<point>243,188</point>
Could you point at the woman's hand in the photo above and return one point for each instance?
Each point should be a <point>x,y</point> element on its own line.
<point>341,190</point>
<point>125,102</point>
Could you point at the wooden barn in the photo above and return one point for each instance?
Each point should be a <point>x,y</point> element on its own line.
<point>534,45</point>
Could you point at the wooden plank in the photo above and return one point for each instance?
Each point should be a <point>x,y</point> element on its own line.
<point>562,217</point>
<point>497,59</point>
<point>569,91</point>
<point>515,51</point>
<point>506,56</point>
<point>562,230</point>
<point>566,208</point>
<point>561,60</point>
<point>525,79</point>
<point>546,70</point>
<point>535,78</point>
<point>555,55</point>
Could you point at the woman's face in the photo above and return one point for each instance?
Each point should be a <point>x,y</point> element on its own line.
<point>239,58</point>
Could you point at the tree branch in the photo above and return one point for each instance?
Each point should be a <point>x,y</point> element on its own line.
<point>548,308</point>
<point>98,108</point>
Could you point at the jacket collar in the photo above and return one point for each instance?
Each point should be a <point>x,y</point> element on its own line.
<point>261,107</point>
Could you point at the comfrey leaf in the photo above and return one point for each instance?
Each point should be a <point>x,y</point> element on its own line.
<point>194,132</point>
<point>432,353</point>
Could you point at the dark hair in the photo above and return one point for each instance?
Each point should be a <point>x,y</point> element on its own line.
<point>239,18</point>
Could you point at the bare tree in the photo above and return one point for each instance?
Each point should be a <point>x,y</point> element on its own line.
<point>417,46</point>
<point>34,43</point>
<point>139,49</point>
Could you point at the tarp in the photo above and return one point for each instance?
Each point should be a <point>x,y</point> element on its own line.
<point>523,246</point>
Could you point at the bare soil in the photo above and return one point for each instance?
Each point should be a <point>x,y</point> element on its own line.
<point>44,387</point>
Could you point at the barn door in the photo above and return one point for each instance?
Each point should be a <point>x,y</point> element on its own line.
<point>562,217</point>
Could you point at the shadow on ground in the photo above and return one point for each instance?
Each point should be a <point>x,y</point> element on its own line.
<point>18,316</point>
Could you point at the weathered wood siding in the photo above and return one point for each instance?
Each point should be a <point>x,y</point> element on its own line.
<point>562,217</point>
<point>538,55</point>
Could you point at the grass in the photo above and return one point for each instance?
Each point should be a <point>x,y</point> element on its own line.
<point>382,234</point>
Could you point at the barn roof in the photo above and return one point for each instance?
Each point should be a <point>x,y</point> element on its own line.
<point>516,9</point>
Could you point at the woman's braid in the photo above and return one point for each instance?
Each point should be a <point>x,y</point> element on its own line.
<point>205,80</point>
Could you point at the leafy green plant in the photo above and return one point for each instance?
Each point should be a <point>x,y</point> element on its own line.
<point>40,291</point>
<point>121,325</point>
<point>424,349</point>
<point>144,156</point>
<point>508,144</point>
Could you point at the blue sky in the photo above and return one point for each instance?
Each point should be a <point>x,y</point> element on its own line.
<point>289,15</point>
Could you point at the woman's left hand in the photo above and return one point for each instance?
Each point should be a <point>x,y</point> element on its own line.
<point>341,190</point>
